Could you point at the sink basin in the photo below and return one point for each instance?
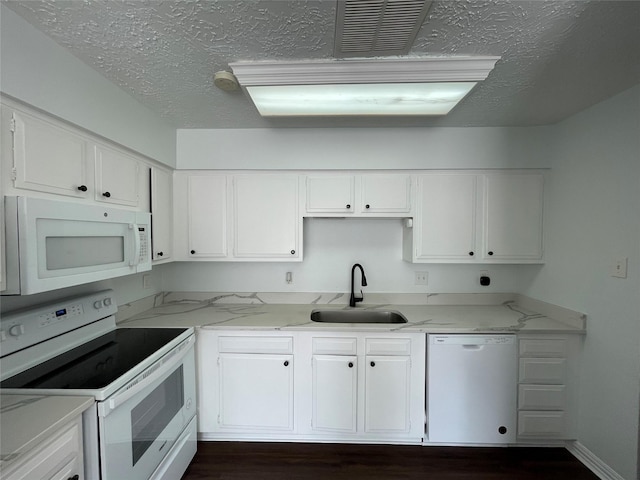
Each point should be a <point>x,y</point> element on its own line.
<point>357,316</point>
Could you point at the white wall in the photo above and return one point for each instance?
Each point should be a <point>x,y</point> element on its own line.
<point>594,194</point>
<point>36,70</point>
<point>357,148</point>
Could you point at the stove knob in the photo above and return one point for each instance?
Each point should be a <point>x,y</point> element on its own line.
<point>97,304</point>
<point>16,330</point>
<point>107,302</point>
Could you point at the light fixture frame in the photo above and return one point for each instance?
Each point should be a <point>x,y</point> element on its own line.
<point>387,70</point>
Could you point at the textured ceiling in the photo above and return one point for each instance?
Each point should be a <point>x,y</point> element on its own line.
<point>558,57</point>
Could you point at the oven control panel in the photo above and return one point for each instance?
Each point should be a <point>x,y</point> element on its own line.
<point>23,328</point>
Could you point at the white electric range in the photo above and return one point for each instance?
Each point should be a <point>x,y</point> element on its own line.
<point>143,423</point>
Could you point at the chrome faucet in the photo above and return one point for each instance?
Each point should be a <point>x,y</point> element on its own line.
<point>353,299</point>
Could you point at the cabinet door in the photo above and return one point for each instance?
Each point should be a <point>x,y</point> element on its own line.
<point>335,384</point>
<point>330,194</point>
<point>48,158</point>
<point>256,391</point>
<point>386,193</point>
<point>117,177</point>
<point>266,220</point>
<point>445,227</point>
<point>161,213</point>
<point>513,216</point>
<point>207,216</point>
<point>387,394</point>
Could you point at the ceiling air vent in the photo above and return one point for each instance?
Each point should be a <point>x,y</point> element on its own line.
<point>370,28</point>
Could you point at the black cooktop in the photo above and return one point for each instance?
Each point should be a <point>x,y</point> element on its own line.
<point>97,363</point>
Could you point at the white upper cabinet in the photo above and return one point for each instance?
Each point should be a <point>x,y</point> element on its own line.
<point>267,222</point>
<point>200,216</point>
<point>513,216</point>
<point>48,157</point>
<point>388,193</point>
<point>161,213</point>
<point>375,194</point>
<point>464,217</point>
<point>330,194</point>
<point>117,177</point>
<point>446,217</point>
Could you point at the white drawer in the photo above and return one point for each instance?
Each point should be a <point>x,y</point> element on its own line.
<point>388,346</point>
<point>543,370</point>
<point>542,397</point>
<point>543,347</point>
<point>274,345</point>
<point>542,424</point>
<point>334,346</point>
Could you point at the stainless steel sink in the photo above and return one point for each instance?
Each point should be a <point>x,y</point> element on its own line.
<point>357,316</point>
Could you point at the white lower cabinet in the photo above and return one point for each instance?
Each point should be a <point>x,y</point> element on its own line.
<point>256,391</point>
<point>57,458</point>
<point>306,386</point>
<point>546,387</point>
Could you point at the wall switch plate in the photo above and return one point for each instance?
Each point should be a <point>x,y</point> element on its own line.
<point>422,278</point>
<point>619,268</point>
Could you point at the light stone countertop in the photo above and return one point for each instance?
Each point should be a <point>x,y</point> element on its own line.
<point>27,420</point>
<point>218,312</point>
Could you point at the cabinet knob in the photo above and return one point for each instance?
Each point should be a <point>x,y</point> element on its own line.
<point>106,194</point>
<point>350,364</point>
<point>160,254</point>
<point>490,252</point>
<point>367,206</point>
<point>75,477</point>
<point>193,252</point>
<point>348,205</point>
<point>471,254</point>
<point>293,252</point>
<point>82,188</point>
<point>502,430</point>
<point>373,364</point>
<point>286,363</point>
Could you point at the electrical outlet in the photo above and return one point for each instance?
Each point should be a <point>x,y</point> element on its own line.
<point>619,268</point>
<point>422,278</point>
<point>146,281</point>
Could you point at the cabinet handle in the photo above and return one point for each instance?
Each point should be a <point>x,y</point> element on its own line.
<point>286,363</point>
<point>106,194</point>
<point>348,205</point>
<point>82,188</point>
<point>490,252</point>
<point>293,252</point>
<point>367,206</point>
<point>350,364</point>
<point>373,364</point>
<point>471,254</point>
<point>160,254</point>
<point>193,252</point>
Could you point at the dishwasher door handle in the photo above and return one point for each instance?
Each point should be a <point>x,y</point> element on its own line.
<point>472,347</point>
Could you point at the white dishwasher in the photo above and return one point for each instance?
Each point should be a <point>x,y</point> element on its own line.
<point>471,388</point>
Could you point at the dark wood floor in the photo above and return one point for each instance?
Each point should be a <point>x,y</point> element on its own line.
<point>303,461</point>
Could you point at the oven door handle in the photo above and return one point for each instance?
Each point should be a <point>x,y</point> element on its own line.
<point>146,378</point>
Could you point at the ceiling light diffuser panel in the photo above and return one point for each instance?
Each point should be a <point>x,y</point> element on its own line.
<point>358,99</point>
<point>416,86</point>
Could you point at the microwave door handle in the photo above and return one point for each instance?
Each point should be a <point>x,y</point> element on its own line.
<point>136,245</point>
<point>109,405</point>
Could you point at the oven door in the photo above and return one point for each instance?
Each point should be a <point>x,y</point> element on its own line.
<point>140,424</point>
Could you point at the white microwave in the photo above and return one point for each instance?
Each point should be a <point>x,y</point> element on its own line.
<point>53,244</point>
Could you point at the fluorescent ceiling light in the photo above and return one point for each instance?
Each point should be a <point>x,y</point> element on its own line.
<point>415,86</point>
<point>358,99</point>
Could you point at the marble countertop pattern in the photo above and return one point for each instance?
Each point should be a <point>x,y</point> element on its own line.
<point>251,313</point>
<point>27,420</point>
